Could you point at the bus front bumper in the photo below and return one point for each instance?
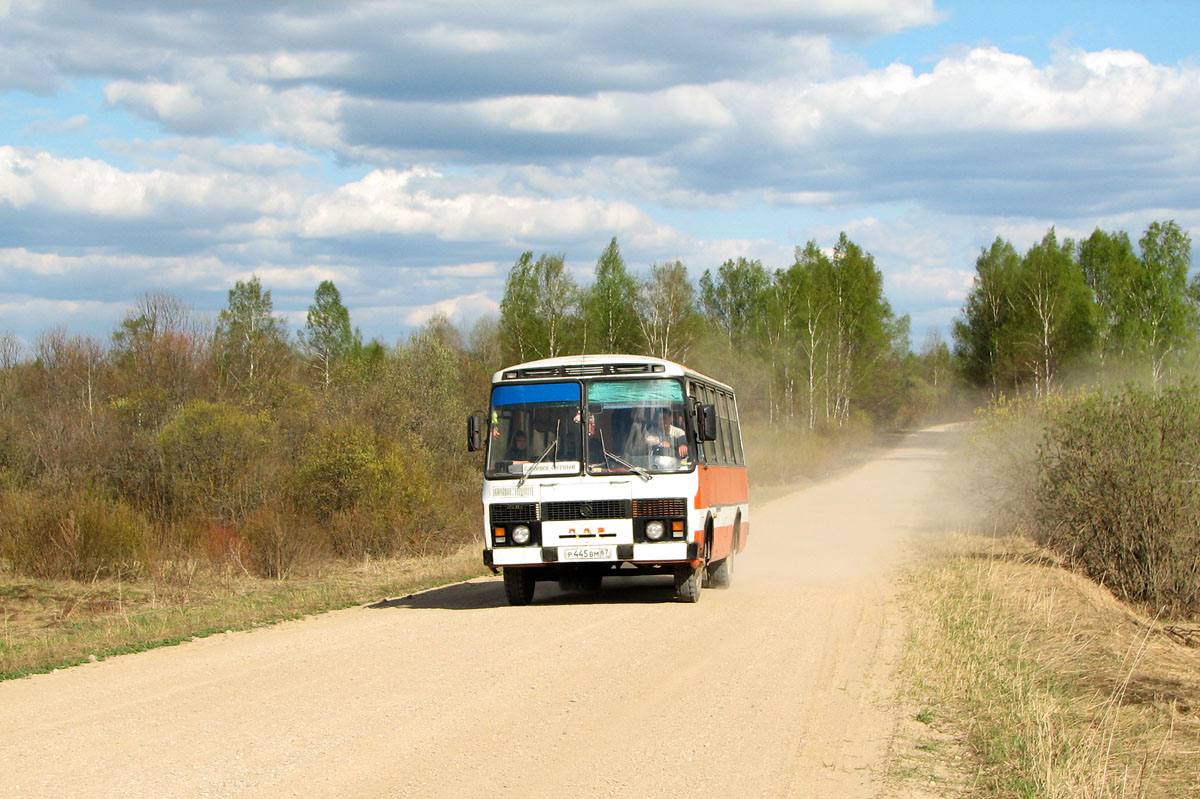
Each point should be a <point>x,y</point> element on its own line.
<point>666,552</point>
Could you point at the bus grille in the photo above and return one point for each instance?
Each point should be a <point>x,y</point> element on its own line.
<point>659,508</point>
<point>505,513</point>
<point>595,509</point>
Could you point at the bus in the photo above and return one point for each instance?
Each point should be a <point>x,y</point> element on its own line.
<point>611,465</point>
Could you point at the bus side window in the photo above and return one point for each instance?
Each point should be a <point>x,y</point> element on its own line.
<point>726,429</point>
<point>735,422</point>
<point>722,450</point>
<point>702,447</point>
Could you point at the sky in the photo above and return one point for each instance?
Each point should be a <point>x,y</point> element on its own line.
<point>411,151</point>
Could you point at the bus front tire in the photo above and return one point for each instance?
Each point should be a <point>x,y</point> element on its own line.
<point>688,582</point>
<point>519,585</point>
<point>720,574</point>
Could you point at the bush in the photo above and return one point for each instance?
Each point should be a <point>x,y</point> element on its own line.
<point>1118,494</point>
<point>279,542</point>
<point>363,489</point>
<point>210,451</point>
<point>79,536</point>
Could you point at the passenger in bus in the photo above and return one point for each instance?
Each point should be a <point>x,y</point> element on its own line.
<point>518,447</point>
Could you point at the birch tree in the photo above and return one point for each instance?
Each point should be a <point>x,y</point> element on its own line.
<point>667,311</point>
<point>610,321</point>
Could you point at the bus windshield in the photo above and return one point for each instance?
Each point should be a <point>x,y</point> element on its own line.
<point>637,425</point>
<point>535,429</point>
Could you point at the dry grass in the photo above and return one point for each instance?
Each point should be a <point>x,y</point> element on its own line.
<point>48,624</point>
<point>1052,686</point>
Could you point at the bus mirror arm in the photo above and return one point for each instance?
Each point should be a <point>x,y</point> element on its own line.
<point>706,423</point>
<point>474,433</point>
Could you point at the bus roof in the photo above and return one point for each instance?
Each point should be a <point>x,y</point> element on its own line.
<point>573,367</point>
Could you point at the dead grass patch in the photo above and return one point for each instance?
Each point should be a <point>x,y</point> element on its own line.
<point>48,624</point>
<point>1053,686</point>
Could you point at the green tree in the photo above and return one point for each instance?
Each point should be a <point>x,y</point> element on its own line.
<point>1162,312</point>
<point>863,326</point>
<point>667,311</point>
<point>250,341</point>
<point>609,306</point>
<point>733,300</point>
<point>1053,322</point>
<point>980,336</point>
<point>813,274</point>
<point>328,338</point>
<point>1108,261</point>
<point>539,312</point>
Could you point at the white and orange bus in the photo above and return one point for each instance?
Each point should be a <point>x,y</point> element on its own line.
<point>611,465</point>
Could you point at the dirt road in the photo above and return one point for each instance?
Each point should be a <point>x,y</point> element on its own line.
<point>779,687</point>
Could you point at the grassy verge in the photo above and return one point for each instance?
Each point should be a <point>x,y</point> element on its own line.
<point>46,625</point>
<point>1042,683</point>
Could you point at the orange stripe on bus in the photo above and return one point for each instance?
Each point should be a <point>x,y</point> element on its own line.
<point>722,485</point>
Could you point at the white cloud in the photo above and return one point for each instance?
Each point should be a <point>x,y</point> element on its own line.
<point>37,179</point>
<point>951,285</point>
<point>472,270</point>
<point>414,202</point>
<point>464,308</point>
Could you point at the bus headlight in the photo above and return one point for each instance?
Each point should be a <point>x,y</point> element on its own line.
<point>654,531</point>
<point>520,534</point>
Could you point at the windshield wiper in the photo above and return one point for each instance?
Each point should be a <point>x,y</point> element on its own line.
<point>542,457</point>
<point>639,471</point>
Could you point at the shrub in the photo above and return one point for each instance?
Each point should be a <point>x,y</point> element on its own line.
<point>210,450</point>
<point>79,536</point>
<point>279,542</point>
<point>345,466</point>
<point>1118,493</point>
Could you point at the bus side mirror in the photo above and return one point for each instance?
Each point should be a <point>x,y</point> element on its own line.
<point>474,433</point>
<point>706,418</point>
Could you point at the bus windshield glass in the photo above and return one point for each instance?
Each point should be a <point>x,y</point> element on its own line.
<point>637,425</point>
<point>535,430</point>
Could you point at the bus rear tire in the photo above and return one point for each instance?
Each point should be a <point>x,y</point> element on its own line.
<point>519,585</point>
<point>720,574</point>
<point>688,582</point>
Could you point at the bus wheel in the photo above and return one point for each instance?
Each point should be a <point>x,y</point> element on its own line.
<point>519,585</point>
<point>688,582</point>
<point>720,574</point>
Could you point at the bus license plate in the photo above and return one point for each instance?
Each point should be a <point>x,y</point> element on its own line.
<point>587,553</point>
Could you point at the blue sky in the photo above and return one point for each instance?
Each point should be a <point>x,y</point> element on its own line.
<point>411,151</point>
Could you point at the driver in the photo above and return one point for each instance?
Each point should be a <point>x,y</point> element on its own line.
<point>663,434</point>
<point>518,447</point>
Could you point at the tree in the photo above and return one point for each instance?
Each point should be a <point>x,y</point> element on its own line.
<point>539,311</point>
<point>734,299</point>
<point>251,342</point>
<point>667,311</point>
<point>1162,313</point>
<point>609,306</point>
<point>862,325</point>
<point>519,326</point>
<point>1108,261</point>
<point>980,341</point>
<point>936,361</point>
<point>1054,310</point>
<point>813,272</point>
<point>158,351</point>
<point>328,338</point>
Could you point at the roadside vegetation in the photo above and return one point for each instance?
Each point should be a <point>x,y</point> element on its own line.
<point>1055,648</point>
<point>192,473</point>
